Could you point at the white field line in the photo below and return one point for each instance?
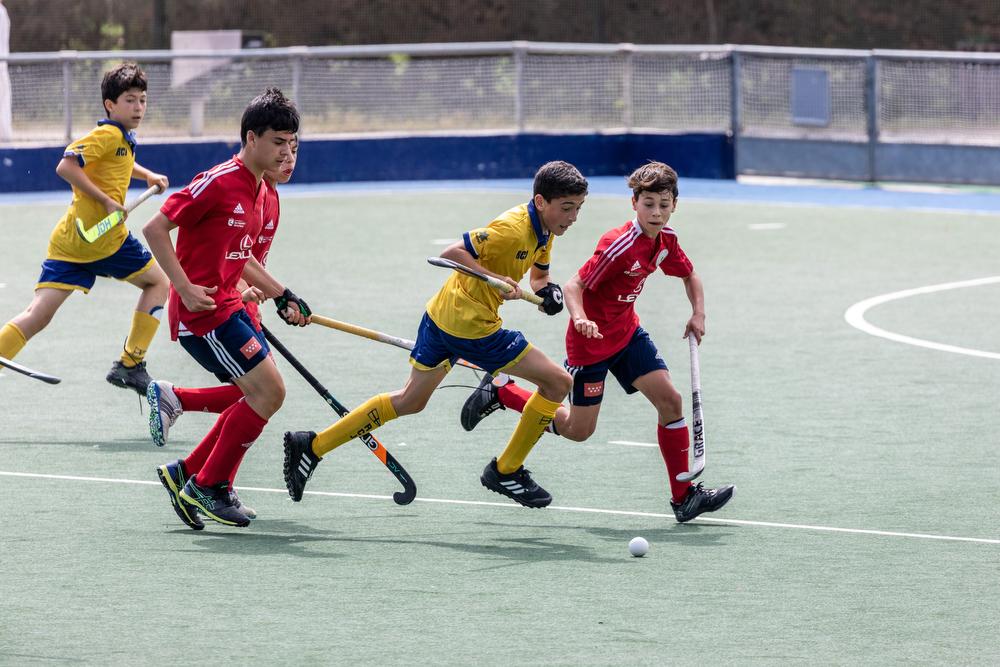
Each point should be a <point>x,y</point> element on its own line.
<point>855,316</point>
<point>765,226</point>
<point>442,241</point>
<point>630,443</point>
<point>587,510</point>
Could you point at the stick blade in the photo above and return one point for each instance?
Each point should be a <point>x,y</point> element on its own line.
<point>24,370</point>
<point>691,475</point>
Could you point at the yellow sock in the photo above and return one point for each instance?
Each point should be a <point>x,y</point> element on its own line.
<point>538,413</point>
<point>371,414</point>
<point>140,336</point>
<point>11,340</point>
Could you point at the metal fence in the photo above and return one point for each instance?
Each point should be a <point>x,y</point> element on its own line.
<point>837,95</point>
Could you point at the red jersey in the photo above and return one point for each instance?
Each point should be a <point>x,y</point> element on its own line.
<point>219,216</point>
<point>262,244</point>
<point>613,278</point>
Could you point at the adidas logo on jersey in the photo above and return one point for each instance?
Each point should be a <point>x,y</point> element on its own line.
<point>636,266</point>
<point>239,209</point>
<point>269,225</point>
<point>636,269</point>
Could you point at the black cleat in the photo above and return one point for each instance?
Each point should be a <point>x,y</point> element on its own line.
<point>238,504</point>
<point>484,401</point>
<point>517,486</point>
<point>300,462</point>
<point>699,500</point>
<point>134,377</point>
<point>214,502</point>
<point>173,478</point>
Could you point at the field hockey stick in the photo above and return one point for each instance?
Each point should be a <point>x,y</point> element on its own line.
<point>371,334</point>
<point>102,227</point>
<point>24,370</point>
<point>496,284</point>
<point>698,427</point>
<point>409,492</point>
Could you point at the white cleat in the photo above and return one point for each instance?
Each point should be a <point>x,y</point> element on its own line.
<point>164,409</point>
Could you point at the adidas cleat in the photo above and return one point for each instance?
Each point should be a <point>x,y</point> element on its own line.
<point>483,401</point>
<point>700,500</point>
<point>517,486</point>
<point>164,409</point>
<point>300,462</point>
<point>214,502</point>
<point>129,377</point>
<point>173,478</point>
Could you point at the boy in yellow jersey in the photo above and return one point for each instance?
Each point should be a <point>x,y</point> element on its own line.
<point>463,321</point>
<point>100,166</point>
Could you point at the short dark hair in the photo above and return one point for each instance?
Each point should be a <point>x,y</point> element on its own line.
<point>559,179</point>
<point>653,177</point>
<point>270,110</point>
<point>120,79</point>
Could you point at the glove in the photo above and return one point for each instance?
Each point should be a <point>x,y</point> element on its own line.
<point>552,299</point>
<point>288,297</point>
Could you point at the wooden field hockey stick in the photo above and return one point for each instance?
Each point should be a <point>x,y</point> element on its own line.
<point>102,227</point>
<point>371,334</point>
<point>24,370</point>
<point>496,284</point>
<point>698,425</point>
<point>409,492</point>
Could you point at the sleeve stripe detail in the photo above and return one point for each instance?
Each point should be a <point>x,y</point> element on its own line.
<point>468,245</point>
<point>209,177</point>
<point>610,254</point>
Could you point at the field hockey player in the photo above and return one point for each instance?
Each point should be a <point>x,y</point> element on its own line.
<point>604,335</point>
<point>463,321</point>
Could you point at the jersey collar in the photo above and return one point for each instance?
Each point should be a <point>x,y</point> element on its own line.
<point>536,224</point>
<point>128,134</point>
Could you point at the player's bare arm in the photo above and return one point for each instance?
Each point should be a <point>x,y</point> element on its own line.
<point>573,296</point>
<point>151,177</point>
<point>456,252</point>
<point>696,295</point>
<point>258,277</point>
<point>70,171</point>
<point>195,297</point>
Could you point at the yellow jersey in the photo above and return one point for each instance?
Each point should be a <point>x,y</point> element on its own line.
<point>467,307</point>
<point>107,155</point>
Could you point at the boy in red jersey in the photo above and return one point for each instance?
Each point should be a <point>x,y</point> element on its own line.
<point>168,402</point>
<point>220,216</point>
<point>604,335</point>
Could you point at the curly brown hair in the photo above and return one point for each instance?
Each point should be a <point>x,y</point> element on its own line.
<point>653,177</point>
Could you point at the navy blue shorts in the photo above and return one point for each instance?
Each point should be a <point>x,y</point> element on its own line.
<point>131,259</point>
<point>231,350</point>
<point>498,351</point>
<point>636,359</point>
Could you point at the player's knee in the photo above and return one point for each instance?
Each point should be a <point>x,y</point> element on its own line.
<point>558,386</point>
<point>408,404</point>
<point>578,432</point>
<point>670,406</point>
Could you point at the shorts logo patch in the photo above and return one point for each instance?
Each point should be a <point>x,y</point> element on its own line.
<point>250,348</point>
<point>593,388</point>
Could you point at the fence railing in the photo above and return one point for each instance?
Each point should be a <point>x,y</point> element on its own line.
<point>827,94</point>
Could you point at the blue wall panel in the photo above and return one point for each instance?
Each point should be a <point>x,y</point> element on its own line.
<point>414,158</point>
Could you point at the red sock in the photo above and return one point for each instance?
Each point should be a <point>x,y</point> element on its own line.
<point>209,399</point>
<point>196,459</point>
<point>513,397</point>
<point>674,443</point>
<point>241,428</point>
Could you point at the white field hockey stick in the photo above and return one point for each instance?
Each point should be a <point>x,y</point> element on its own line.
<point>23,370</point>
<point>498,285</point>
<point>102,227</point>
<point>698,427</point>
<point>371,334</point>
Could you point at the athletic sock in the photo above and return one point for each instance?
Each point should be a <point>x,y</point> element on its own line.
<point>536,415</point>
<point>141,334</point>
<point>196,459</point>
<point>208,399</point>
<point>371,414</point>
<point>11,340</point>
<point>515,397</point>
<point>240,430</point>
<point>674,443</point>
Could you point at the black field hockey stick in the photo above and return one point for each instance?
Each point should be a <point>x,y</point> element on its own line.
<point>409,492</point>
<point>498,285</point>
<point>24,370</point>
